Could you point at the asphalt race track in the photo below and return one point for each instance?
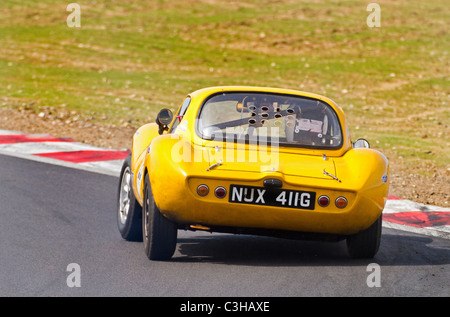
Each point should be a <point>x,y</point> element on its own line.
<point>52,216</point>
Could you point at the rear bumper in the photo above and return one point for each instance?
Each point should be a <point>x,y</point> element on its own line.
<point>180,202</point>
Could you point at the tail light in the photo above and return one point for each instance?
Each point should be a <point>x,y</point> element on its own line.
<point>341,202</point>
<point>220,192</point>
<point>323,201</point>
<point>202,190</point>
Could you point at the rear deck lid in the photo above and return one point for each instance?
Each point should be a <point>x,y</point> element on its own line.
<point>262,160</point>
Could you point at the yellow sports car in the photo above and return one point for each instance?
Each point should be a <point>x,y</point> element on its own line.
<point>252,160</point>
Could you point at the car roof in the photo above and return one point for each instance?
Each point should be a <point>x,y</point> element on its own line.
<point>204,92</point>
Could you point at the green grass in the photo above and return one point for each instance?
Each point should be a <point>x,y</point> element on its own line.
<point>131,58</point>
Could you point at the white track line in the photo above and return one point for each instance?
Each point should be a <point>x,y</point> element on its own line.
<point>94,167</point>
<point>47,147</point>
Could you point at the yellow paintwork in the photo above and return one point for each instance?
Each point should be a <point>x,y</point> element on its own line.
<point>174,182</point>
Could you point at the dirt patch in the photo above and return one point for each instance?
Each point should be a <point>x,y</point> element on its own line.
<point>424,184</point>
<point>68,125</point>
<point>411,183</point>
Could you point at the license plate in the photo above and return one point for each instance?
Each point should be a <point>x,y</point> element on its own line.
<point>272,197</point>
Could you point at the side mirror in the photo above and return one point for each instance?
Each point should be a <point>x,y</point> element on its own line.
<point>163,119</point>
<point>361,144</point>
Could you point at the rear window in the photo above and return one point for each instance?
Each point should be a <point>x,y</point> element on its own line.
<point>288,120</point>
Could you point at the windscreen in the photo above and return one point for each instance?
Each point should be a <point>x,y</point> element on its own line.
<point>286,119</point>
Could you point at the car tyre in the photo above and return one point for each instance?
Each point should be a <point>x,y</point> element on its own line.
<point>129,215</point>
<point>365,244</point>
<point>159,233</point>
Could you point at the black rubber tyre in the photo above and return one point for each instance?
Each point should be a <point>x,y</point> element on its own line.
<point>159,233</point>
<point>365,244</point>
<point>129,212</point>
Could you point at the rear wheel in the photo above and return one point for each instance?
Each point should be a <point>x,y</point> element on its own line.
<point>365,244</point>
<point>159,233</point>
<point>129,212</point>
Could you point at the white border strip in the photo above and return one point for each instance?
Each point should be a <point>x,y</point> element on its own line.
<point>404,205</point>
<point>95,168</point>
<point>439,231</point>
<point>47,147</point>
